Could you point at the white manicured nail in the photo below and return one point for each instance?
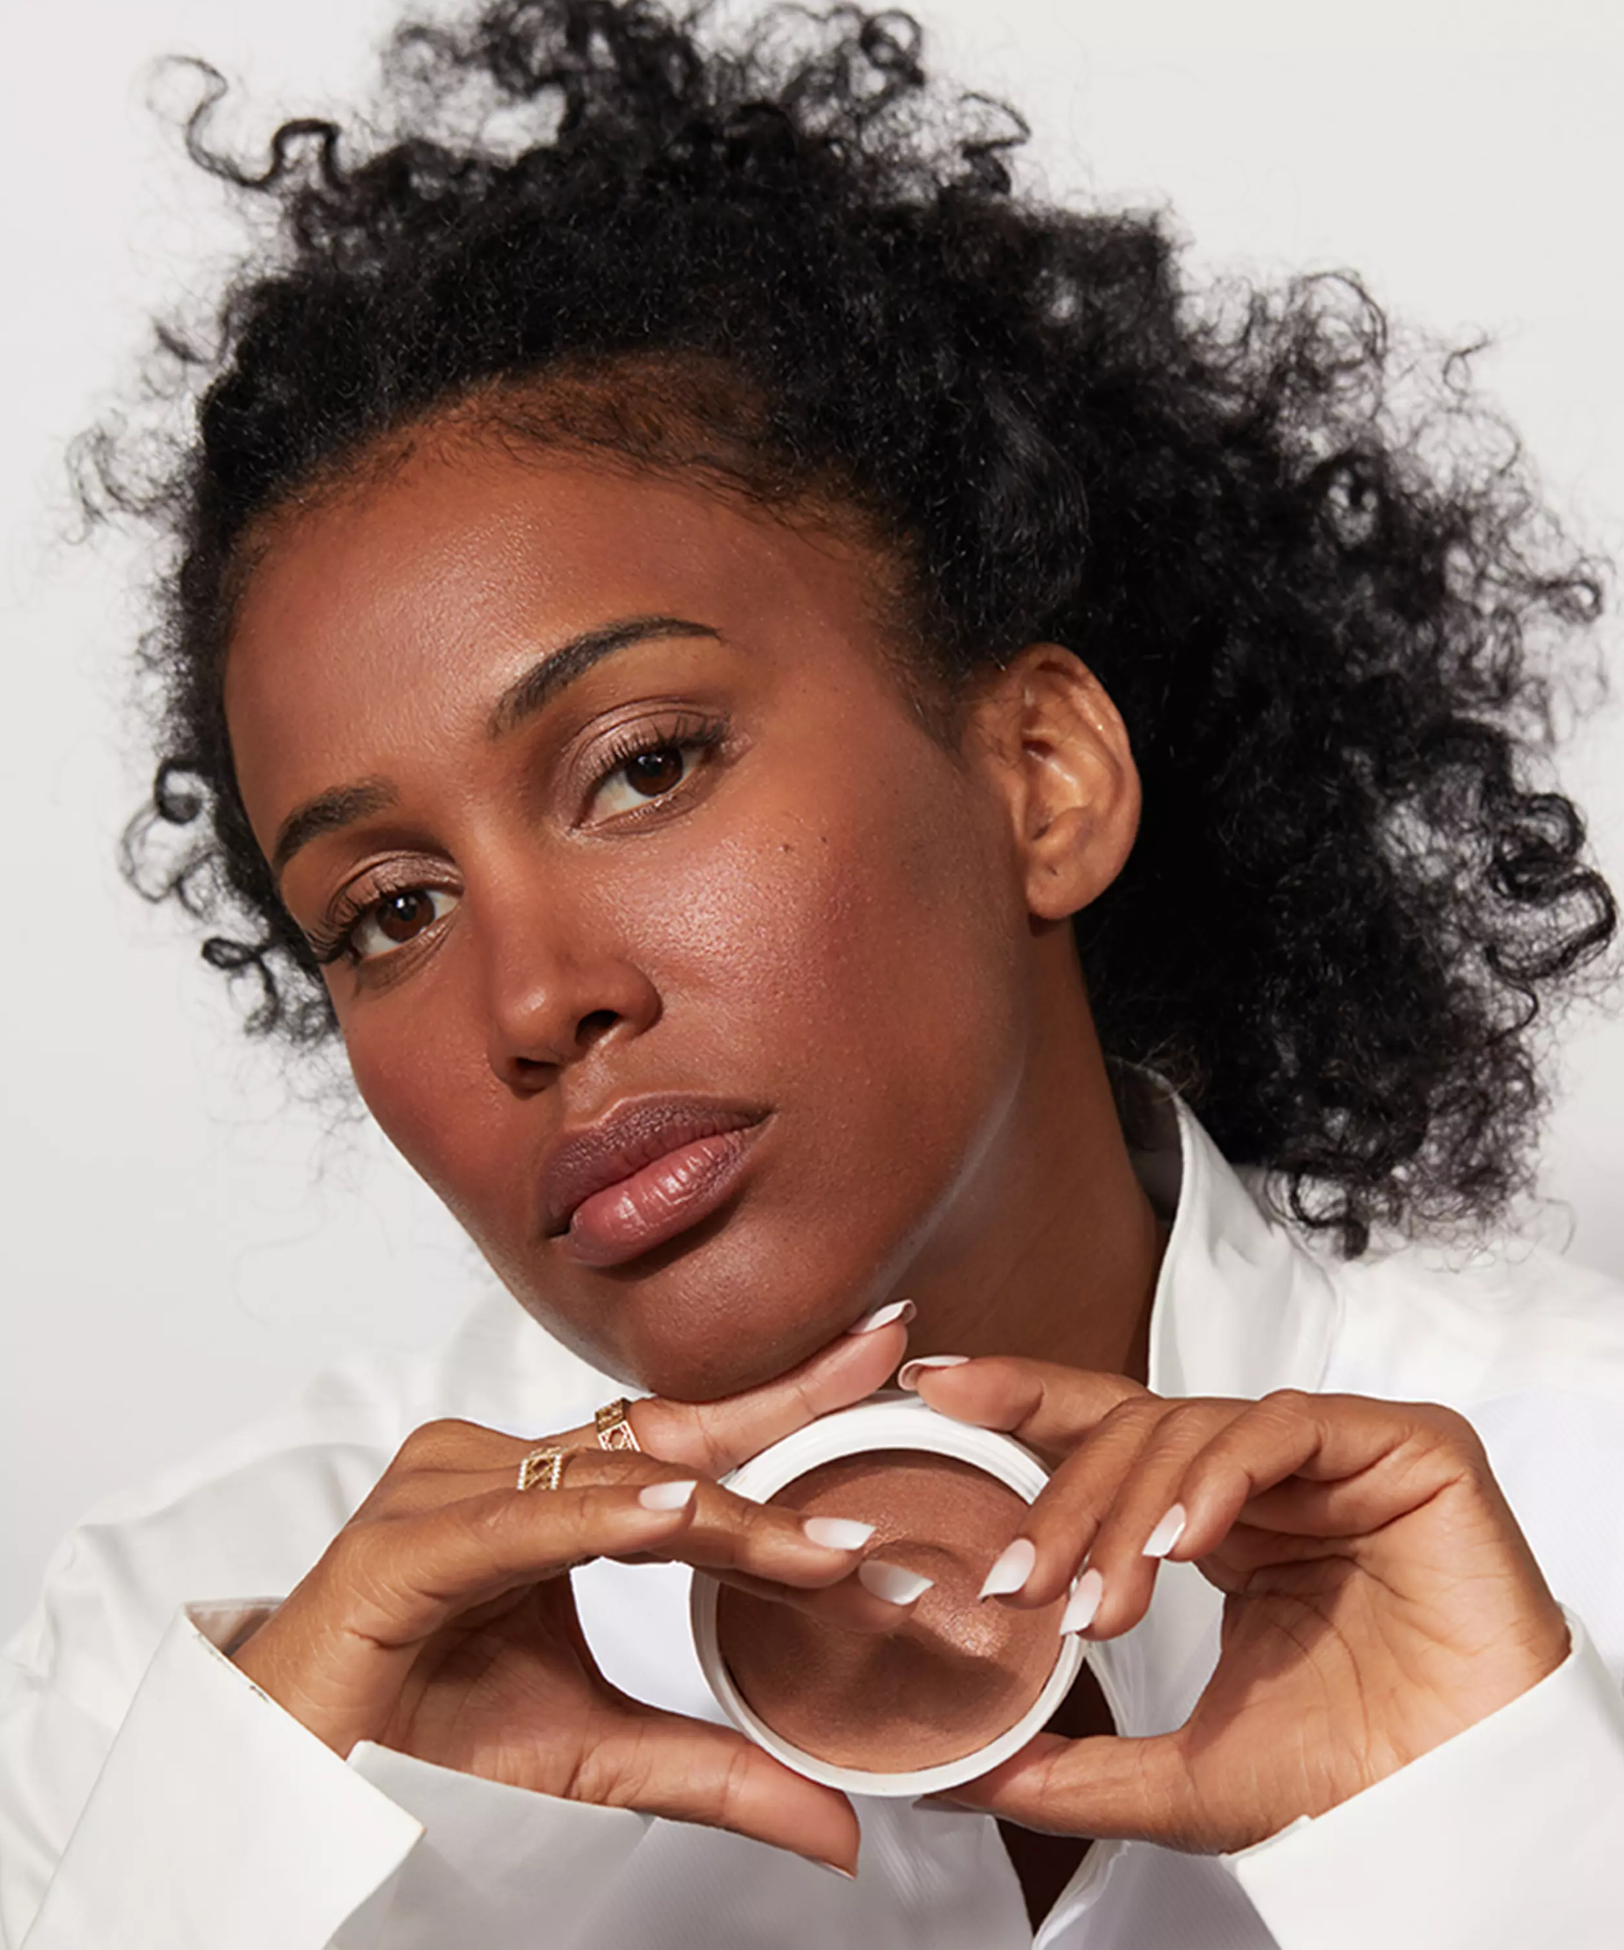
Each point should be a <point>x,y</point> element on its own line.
<point>1012,1569</point>
<point>1085,1601</point>
<point>908,1374</point>
<point>903,1310</point>
<point>890,1582</point>
<point>838,1533</point>
<point>666,1496</point>
<point>1167,1533</point>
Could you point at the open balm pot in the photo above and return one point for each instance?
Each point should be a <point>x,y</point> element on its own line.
<point>961,1684</point>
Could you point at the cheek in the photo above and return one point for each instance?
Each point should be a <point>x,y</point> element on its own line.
<point>421,1064</point>
<point>885,929</point>
<point>865,972</point>
<point>859,970</point>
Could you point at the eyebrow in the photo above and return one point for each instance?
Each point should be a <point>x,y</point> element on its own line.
<point>342,805</point>
<point>560,667</point>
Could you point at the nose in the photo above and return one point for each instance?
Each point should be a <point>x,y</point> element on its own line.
<point>555,991</point>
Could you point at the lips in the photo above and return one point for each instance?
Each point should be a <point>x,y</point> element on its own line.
<point>644,1174</point>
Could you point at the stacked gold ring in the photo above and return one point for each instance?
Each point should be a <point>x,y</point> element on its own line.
<point>614,1431</point>
<point>545,1465</point>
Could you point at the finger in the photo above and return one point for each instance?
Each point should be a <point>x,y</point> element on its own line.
<point>849,1606</point>
<point>1064,1519</point>
<point>1048,1407</point>
<point>1341,1440</point>
<point>1145,1519</point>
<point>398,1580</point>
<point>766,1541</point>
<point>715,1437</point>
<point>685,1770</point>
<point>1109,1787</point>
<point>338,1649</point>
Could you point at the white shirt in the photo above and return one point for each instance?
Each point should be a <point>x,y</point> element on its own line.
<point>151,1798</point>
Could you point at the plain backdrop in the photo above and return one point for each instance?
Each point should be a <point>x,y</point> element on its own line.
<point>189,1228</point>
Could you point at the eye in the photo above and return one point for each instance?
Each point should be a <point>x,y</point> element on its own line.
<point>642,776</point>
<point>397,918</point>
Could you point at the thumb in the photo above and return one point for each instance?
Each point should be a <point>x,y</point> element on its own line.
<point>687,1770</point>
<point>1108,1787</point>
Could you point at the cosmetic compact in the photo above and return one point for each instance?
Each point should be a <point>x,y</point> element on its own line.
<point>962,1683</point>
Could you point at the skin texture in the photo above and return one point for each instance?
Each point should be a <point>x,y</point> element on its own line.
<point>834,918</point>
<point>1379,1596</point>
<point>851,933</point>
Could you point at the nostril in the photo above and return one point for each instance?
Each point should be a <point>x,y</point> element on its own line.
<point>594,1026</point>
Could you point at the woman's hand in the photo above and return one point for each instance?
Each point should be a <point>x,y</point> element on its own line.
<point>441,1622</point>
<point>1379,1595</point>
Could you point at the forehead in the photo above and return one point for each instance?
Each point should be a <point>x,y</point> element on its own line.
<point>420,591</point>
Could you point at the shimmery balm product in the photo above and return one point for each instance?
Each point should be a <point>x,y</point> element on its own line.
<point>961,1684</point>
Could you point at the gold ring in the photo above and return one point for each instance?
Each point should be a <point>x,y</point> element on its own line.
<point>544,1466</point>
<point>614,1431</point>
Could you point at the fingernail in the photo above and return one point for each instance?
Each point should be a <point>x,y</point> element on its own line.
<point>834,1868</point>
<point>1167,1533</point>
<point>1085,1601</point>
<point>1012,1569</point>
<point>902,1310</point>
<point>908,1374</point>
<point>665,1496</point>
<point>890,1582</point>
<point>838,1533</point>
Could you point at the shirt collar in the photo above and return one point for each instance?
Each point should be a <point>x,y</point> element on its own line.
<point>1241,1306</point>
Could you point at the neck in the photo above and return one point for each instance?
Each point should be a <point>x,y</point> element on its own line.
<point>1052,1249</point>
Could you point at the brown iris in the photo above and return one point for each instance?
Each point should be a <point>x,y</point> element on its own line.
<point>400,916</point>
<point>652,773</point>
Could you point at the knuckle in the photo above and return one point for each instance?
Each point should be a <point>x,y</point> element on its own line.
<point>1454,1427</point>
<point>352,1554</point>
<point>1128,1418</point>
<point>609,1774</point>
<point>363,1577</point>
<point>733,1786</point>
<point>1183,1423</point>
<point>1450,1431</point>
<point>431,1443</point>
<point>706,1426</point>
<point>490,1518</point>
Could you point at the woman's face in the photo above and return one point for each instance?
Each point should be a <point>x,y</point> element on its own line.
<point>669,946</point>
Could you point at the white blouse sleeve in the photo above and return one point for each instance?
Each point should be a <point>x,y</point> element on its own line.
<point>1509,1834</point>
<point>218,1821</point>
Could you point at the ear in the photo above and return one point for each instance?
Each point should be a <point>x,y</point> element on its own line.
<point>1057,749</point>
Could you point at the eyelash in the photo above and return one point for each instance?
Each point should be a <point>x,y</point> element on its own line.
<point>691,736</point>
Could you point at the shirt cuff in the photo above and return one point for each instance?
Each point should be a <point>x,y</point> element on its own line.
<point>1508,1833</point>
<point>498,1866</point>
<point>218,1819</point>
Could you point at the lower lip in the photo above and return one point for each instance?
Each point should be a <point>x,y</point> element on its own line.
<point>659,1202</point>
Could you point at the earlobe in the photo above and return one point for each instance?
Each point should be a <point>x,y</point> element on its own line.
<point>1067,770</point>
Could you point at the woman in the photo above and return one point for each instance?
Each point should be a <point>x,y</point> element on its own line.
<point>845,763</point>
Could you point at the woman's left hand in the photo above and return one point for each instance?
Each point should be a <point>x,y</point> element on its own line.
<point>1379,1597</point>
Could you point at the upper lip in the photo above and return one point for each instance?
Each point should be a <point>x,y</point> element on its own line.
<point>625,1139</point>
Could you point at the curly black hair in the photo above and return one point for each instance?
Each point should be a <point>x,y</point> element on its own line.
<point>788,260</point>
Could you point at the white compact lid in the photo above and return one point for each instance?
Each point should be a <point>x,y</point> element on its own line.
<point>888,1421</point>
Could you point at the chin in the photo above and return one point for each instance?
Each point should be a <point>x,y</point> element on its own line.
<point>719,1359</point>
<point>741,1299</point>
<point>704,1335</point>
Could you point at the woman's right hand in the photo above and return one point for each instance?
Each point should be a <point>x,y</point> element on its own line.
<point>441,1622</point>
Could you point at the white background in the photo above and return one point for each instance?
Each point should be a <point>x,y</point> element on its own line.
<point>185,1234</point>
